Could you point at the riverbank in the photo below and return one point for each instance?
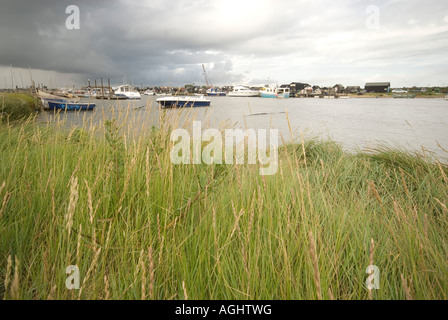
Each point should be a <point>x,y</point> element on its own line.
<point>140,227</point>
<point>390,95</point>
<point>15,106</point>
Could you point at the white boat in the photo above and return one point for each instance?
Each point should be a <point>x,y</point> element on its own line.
<point>274,93</point>
<point>127,91</point>
<point>242,91</point>
<point>215,92</point>
<point>446,97</point>
<point>149,93</point>
<point>183,101</point>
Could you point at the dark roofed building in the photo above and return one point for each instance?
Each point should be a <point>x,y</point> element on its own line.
<point>296,87</point>
<point>378,87</point>
<point>353,89</point>
<point>338,88</point>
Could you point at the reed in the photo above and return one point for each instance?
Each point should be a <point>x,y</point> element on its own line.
<point>16,106</point>
<point>107,198</point>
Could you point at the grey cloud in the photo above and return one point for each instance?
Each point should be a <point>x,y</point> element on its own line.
<point>165,42</point>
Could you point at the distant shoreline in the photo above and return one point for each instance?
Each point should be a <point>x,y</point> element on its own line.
<point>388,96</point>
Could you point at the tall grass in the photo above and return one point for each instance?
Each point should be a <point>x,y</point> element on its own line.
<point>16,106</point>
<point>110,201</point>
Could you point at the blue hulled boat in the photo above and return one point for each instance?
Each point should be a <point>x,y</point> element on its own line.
<point>69,106</point>
<point>215,93</point>
<point>173,102</point>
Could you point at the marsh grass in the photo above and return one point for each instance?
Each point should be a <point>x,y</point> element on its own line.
<point>17,106</point>
<point>109,200</point>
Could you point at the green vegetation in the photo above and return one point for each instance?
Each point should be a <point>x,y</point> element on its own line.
<point>16,106</point>
<point>139,227</point>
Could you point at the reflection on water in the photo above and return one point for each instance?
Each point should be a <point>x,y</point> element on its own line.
<point>355,123</point>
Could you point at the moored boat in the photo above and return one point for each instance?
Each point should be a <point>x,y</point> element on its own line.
<point>183,101</point>
<point>46,100</point>
<point>113,96</point>
<point>215,93</point>
<point>54,104</point>
<point>127,91</point>
<point>274,93</point>
<point>212,91</point>
<point>149,93</point>
<point>83,93</point>
<point>242,91</point>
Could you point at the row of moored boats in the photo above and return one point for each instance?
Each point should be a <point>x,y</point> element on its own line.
<point>52,102</point>
<point>238,91</point>
<point>243,91</point>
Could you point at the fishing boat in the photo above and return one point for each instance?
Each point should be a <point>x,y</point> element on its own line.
<point>127,91</point>
<point>57,104</point>
<point>242,91</point>
<point>183,101</point>
<point>274,93</point>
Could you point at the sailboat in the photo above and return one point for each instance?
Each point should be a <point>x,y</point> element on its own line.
<point>212,91</point>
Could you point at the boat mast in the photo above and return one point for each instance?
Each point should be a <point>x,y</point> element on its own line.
<point>31,77</point>
<point>12,78</point>
<point>205,75</point>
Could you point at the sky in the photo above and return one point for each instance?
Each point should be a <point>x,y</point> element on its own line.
<point>165,43</point>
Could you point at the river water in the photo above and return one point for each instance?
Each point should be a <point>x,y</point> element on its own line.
<point>356,123</point>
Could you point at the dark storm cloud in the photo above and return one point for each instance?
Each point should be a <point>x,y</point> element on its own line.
<point>165,42</point>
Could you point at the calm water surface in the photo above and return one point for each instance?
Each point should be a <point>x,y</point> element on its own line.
<point>354,123</point>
